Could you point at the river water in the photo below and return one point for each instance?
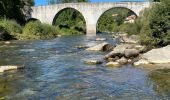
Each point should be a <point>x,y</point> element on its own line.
<point>55,70</point>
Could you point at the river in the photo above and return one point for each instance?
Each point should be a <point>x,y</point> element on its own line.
<point>55,70</point>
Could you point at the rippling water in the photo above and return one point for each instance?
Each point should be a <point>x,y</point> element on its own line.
<point>55,70</point>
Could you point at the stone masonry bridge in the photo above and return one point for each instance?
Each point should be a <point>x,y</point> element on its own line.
<point>90,11</point>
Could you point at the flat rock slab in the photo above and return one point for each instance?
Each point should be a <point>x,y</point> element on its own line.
<point>157,56</point>
<point>98,47</point>
<point>9,67</point>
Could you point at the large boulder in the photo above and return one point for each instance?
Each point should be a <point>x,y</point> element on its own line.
<point>122,47</point>
<point>119,50</point>
<point>131,53</point>
<point>112,54</point>
<point>98,47</point>
<point>157,56</point>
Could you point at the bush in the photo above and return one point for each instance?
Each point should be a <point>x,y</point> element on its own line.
<point>36,30</point>
<point>12,27</point>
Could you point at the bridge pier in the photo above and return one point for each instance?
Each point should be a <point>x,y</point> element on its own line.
<point>90,29</point>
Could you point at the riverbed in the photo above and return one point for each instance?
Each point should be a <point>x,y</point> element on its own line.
<point>55,70</point>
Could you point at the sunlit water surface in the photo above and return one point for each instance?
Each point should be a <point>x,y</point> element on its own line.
<point>55,70</point>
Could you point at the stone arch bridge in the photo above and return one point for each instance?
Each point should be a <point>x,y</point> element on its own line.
<point>90,11</point>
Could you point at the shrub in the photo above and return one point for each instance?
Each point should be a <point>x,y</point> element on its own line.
<point>37,30</point>
<point>12,27</point>
<point>156,25</point>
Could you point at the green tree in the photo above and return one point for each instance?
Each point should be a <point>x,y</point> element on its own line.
<point>15,9</point>
<point>159,23</point>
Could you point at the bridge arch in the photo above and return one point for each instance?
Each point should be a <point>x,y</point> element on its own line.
<point>111,8</point>
<point>61,10</point>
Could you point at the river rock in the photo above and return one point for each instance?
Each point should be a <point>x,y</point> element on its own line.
<point>98,47</point>
<point>119,50</point>
<point>80,46</point>
<point>158,56</point>
<point>93,62</point>
<point>130,39</point>
<point>112,64</point>
<point>141,62</point>
<point>108,47</point>
<point>113,59</point>
<point>122,60</point>
<point>122,47</point>
<point>131,53</point>
<point>100,39</point>
<point>112,54</point>
<point>9,67</point>
<point>141,48</point>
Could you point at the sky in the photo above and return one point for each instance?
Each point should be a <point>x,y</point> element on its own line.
<point>44,2</point>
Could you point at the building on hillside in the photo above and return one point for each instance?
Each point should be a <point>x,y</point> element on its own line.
<point>130,19</point>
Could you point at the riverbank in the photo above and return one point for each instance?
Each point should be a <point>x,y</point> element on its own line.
<point>130,52</point>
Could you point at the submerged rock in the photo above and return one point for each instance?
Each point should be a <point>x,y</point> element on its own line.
<point>100,39</point>
<point>141,62</point>
<point>7,42</point>
<point>9,67</point>
<point>80,46</point>
<point>112,64</point>
<point>122,60</point>
<point>98,47</point>
<point>93,62</point>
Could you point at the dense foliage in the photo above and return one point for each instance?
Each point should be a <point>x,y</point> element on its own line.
<point>36,30</point>
<point>154,25</point>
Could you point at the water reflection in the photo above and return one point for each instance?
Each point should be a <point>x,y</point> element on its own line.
<point>161,81</point>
